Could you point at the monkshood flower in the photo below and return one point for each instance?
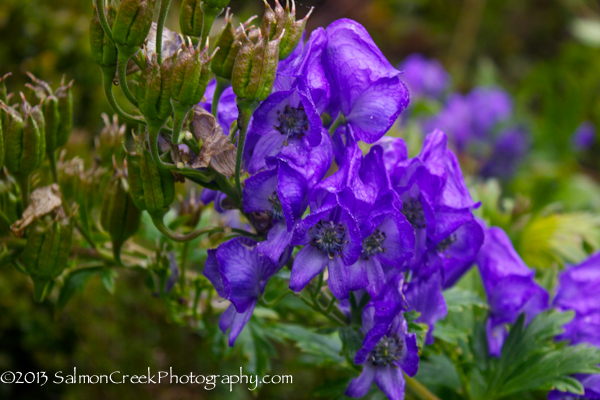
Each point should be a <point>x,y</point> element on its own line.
<point>305,64</point>
<point>584,136</point>
<point>509,287</point>
<point>459,251</point>
<point>388,349</point>
<point>331,238</point>
<point>435,198</point>
<point>579,290</point>
<point>281,193</point>
<point>424,295</point>
<point>509,147</point>
<point>424,77</point>
<point>591,384</point>
<point>284,118</point>
<point>365,88</point>
<point>227,111</point>
<point>229,217</point>
<point>239,275</point>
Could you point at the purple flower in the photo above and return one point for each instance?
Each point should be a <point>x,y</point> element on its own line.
<point>579,290</point>
<point>459,251</point>
<point>239,275</point>
<point>331,238</point>
<point>281,193</point>
<point>455,120</point>
<point>508,149</point>
<point>490,106</point>
<point>584,136</point>
<point>388,349</point>
<point>365,88</point>
<point>424,77</point>
<point>227,112</point>
<point>509,287</point>
<point>591,384</point>
<point>284,118</point>
<point>424,295</point>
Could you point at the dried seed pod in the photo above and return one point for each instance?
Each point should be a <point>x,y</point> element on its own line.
<point>229,42</point>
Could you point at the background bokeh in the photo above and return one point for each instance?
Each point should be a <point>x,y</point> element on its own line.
<point>545,53</point>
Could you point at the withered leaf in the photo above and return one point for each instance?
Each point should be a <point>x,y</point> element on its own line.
<point>44,200</point>
<point>217,150</point>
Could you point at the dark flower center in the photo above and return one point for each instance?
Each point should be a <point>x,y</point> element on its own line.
<point>276,211</point>
<point>444,244</point>
<point>328,237</point>
<point>373,244</point>
<point>292,122</point>
<point>413,211</point>
<point>386,351</point>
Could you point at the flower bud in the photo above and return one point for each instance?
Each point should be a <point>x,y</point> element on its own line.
<point>133,22</point>
<point>104,50</point>
<point>191,18</point>
<point>152,188</point>
<point>64,94</point>
<point>52,119</point>
<point>255,68</point>
<point>46,253</point>
<point>189,77</point>
<point>191,208</point>
<point>119,217</point>
<point>286,21</point>
<point>24,143</point>
<point>154,90</point>
<point>229,42</point>
<point>268,23</point>
<point>110,141</point>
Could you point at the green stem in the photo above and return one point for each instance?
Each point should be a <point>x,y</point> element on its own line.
<point>340,120</point>
<point>245,108</point>
<point>210,14</point>
<point>226,187</point>
<point>23,182</point>
<point>331,305</point>
<point>52,160</point>
<point>276,300</point>
<point>179,114</point>
<point>107,81</point>
<point>184,253</point>
<point>160,24</point>
<point>197,300</point>
<point>103,21</point>
<point>418,389</point>
<point>320,311</point>
<point>222,84</point>
<point>160,225</point>
<point>153,131</point>
<point>125,53</point>
<point>13,242</point>
<point>234,132</point>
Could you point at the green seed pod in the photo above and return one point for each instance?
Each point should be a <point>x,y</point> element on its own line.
<point>151,188</point>
<point>154,94</point>
<point>286,21</point>
<point>24,143</point>
<point>268,23</point>
<point>133,22</point>
<point>255,68</point>
<point>189,76</point>
<point>191,18</point>
<point>64,94</point>
<point>229,42</point>
<point>52,119</point>
<point>46,253</point>
<point>119,217</point>
<point>104,50</point>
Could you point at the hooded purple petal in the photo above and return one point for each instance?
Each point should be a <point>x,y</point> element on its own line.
<point>361,385</point>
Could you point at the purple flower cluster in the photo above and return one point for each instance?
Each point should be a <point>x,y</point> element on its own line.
<point>425,77</point>
<point>396,229</point>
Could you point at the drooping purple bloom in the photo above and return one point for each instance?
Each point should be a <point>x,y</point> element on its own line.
<point>490,106</point>
<point>388,349</point>
<point>424,295</point>
<point>509,287</point>
<point>459,251</point>
<point>424,77</point>
<point>584,136</point>
<point>331,238</point>
<point>365,88</point>
<point>284,118</point>
<point>579,290</point>
<point>239,275</point>
<point>227,111</point>
<point>591,384</point>
<point>282,194</point>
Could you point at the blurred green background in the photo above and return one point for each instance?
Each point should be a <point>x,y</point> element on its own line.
<point>545,53</point>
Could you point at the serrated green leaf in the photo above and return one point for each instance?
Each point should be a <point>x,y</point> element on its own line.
<point>568,384</point>
<point>458,299</point>
<point>74,283</point>
<point>326,348</point>
<point>257,348</point>
<point>449,333</point>
<point>411,316</point>
<point>438,370</point>
<point>351,342</point>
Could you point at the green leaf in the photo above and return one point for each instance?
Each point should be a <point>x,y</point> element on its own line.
<point>325,348</point>
<point>568,384</point>
<point>420,329</point>
<point>457,300</point>
<point>438,370</point>
<point>257,348</point>
<point>450,333</point>
<point>351,342</point>
<point>74,283</point>
<point>108,280</point>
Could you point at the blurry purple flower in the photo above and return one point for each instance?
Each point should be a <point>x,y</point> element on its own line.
<point>227,111</point>
<point>424,77</point>
<point>584,136</point>
<point>509,287</point>
<point>510,147</point>
<point>424,295</point>
<point>365,88</point>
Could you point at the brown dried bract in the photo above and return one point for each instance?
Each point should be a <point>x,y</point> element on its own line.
<point>217,150</point>
<point>44,200</point>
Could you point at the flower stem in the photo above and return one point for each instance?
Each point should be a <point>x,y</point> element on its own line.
<point>340,120</point>
<point>160,25</point>
<point>318,309</point>
<point>276,300</point>
<point>160,225</point>
<point>107,79</point>
<point>102,16</point>
<point>179,114</point>
<point>125,53</point>
<point>246,109</point>
<point>418,389</point>
<point>184,253</point>
<point>153,131</point>
<point>222,84</point>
